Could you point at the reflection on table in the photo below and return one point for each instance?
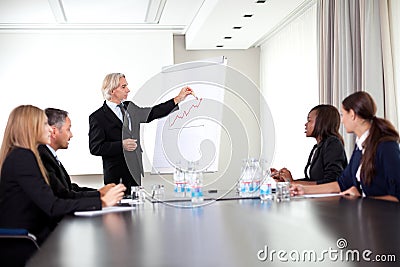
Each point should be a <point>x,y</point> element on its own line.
<point>243,232</point>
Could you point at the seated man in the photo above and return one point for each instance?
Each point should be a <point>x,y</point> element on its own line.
<point>59,179</point>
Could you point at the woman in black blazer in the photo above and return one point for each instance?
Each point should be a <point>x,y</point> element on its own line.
<point>26,199</point>
<point>327,159</point>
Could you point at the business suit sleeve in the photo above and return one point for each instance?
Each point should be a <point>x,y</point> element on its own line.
<point>88,191</point>
<point>98,143</point>
<point>60,190</point>
<point>156,112</point>
<point>59,179</point>
<point>334,160</point>
<point>32,183</point>
<point>388,160</point>
<point>348,177</point>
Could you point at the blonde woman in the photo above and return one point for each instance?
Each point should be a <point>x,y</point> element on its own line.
<point>26,199</point>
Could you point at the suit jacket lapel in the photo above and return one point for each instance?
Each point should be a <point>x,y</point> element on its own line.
<point>55,162</point>
<point>66,176</point>
<point>315,156</point>
<point>126,132</point>
<point>110,115</point>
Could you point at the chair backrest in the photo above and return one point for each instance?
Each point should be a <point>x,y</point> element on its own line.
<point>16,246</point>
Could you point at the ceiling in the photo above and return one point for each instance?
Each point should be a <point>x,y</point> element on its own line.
<point>206,24</point>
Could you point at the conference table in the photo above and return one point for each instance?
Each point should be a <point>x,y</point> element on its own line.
<point>325,231</point>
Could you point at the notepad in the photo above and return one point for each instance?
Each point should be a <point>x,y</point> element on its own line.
<point>103,211</point>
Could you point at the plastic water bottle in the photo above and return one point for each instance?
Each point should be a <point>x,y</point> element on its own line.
<point>250,175</point>
<point>195,180</point>
<point>245,182</point>
<point>197,188</point>
<point>266,189</point>
<point>189,177</point>
<point>249,183</point>
<point>179,182</point>
<point>256,176</point>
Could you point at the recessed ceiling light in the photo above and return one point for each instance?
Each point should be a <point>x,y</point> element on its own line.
<point>248,15</point>
<point>237,28</point>
<point>227,37</point>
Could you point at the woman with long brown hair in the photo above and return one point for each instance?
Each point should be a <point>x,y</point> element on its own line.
<point>374,167</point>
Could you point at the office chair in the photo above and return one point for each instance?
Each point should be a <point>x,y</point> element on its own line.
<point>16,246</point>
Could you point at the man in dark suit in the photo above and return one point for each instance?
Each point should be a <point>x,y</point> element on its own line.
<point>59,179</point>
<point>114,130</point>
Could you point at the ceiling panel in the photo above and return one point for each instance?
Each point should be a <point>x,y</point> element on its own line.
<point>210,29</point>
<point>105,11</point>
<point>205,23</point>
<point>180,12</point>
<point>25,11</point>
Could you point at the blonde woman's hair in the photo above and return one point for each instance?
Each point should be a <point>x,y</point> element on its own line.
<point>110,82</point>
<point>24,128</point>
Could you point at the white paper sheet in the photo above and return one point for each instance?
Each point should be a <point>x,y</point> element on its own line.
<point>103,211</point>
<point>321,195</point>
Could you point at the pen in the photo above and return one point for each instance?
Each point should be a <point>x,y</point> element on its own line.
<point>191,92</point>
<point>194,95</point>
<point>120,181</point>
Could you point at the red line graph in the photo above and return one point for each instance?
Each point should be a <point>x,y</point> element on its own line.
<point>185,113</point>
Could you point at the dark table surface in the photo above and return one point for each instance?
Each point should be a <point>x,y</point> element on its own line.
<point>330,231</point>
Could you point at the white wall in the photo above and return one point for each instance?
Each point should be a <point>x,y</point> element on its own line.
<point>65,69</point>
<point>246,61</point>
<point>289,78</point>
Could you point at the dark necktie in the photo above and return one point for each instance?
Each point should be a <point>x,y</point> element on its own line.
<point>123,111</point>
<point>58,161</point>
<point>125,119</point>
<point>357,157</point>
<point>63,178</point>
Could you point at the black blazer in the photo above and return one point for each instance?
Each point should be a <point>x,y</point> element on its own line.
<point>27,201</point>
<point>328,162</point>
<point>105,140</point>
<point>59,179</point>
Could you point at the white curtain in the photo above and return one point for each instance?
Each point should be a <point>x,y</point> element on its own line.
<point>289,82</point>
<point>394,22</point>
<point>377,47</point>
<point>339,50</point>
<point>340,63</point>
<point>356,53</point>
